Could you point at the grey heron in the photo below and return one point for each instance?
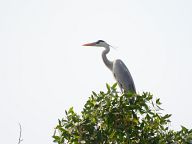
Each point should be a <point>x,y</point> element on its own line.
<point>117,67</point>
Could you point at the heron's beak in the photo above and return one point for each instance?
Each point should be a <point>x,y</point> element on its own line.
<point>90,44</point>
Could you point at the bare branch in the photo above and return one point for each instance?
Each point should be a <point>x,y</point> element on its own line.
<point>20,132</point>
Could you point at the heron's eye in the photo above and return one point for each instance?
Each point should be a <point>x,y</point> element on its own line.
<point>99,41</point>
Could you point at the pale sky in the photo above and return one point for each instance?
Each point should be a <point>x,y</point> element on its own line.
<point>44,70</point>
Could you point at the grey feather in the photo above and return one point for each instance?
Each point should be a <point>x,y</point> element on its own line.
<point>123,76</point>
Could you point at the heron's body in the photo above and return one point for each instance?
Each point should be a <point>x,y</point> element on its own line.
<point>117,67</point>
<point>123,76</point>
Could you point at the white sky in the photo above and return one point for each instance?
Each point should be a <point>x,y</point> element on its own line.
<point>44,70</point>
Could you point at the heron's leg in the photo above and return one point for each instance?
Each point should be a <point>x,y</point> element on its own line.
<point>121,87</point>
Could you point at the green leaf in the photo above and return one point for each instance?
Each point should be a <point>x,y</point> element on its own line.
<point>158,101</point>
<point>56,138</point>
<point>94,93</point>
<point>108,87</point>
<point>184,129</point>
<point>114,86</point>
<point>149,97</point>
<point>70,110</point>
<point>167,116</point>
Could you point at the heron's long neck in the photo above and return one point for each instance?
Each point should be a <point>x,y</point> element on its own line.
<point>107,62</point>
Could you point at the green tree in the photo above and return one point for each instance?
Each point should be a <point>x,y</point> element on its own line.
<point>111,117</point>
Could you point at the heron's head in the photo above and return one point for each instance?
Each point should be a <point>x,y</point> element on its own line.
<point>99,43</point>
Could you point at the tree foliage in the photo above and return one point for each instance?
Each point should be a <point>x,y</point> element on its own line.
<point>111,117</point>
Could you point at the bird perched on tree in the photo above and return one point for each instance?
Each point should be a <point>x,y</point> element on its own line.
<point>117,67</point>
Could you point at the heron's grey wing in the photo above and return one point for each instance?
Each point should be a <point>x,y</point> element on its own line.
<point>123,76</point>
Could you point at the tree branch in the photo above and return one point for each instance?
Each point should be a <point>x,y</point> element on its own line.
<point>20,132</point>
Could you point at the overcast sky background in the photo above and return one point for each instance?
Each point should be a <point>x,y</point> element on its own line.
<point>44,70</point>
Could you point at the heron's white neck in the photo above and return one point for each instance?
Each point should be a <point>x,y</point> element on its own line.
<point>107,62</point>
